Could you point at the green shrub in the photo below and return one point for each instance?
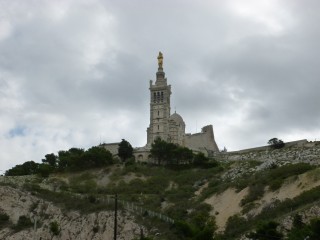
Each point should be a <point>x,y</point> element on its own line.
<point>277,209</point>
<point>184,229</point>
<point>235,225</point>
<point>54,228</point>
<point>275,184</point>
<point>89,186</point>
<point>315,228</point>
<point>248,207</point>
<point>83,183</point>
<point>273,178</point>
<point>256,191</point>
<point>266,231</point>
<point>130,161</point>
<point>95,229</point>
<point>200,159</point>
<point>4,219</point>
<point>68,200</point>
<point>27,168</point>
<point>23,223</point>
<point>286,171</point>
<point>297,221</point>
<point>304,231</point>
<point>45,170</point>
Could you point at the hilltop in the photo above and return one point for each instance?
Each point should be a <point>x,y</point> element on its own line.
<point>231,196</point>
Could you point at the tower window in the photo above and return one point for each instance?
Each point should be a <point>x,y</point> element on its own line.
<point>161,96</point>
<point>158,96</point>
<point>158,113</point>
<point>154,97</point>
<point>158,127</point>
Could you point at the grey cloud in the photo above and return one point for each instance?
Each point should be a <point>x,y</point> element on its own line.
<point>73,78</point>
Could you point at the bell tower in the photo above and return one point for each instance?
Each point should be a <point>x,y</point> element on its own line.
<point>160,93</point>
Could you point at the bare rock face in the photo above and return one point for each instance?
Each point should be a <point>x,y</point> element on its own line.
<point>72,224</point>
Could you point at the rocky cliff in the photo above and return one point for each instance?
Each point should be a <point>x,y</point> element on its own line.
<point>71,224</point>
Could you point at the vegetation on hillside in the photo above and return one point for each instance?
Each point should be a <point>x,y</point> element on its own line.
<point>4,220</point>
<point>173,154</point>
<point>176,186</point>
<point>276,143</point>
<point>170,190</point>
<point>170,153</point>
<point>75,159</point>
<point>125,150</point>
<point>301,230</point>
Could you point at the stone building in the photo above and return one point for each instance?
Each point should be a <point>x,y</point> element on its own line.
<point>171,128</point>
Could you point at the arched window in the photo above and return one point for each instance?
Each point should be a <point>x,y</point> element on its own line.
<point>154,97</point>
<point>161,96</point>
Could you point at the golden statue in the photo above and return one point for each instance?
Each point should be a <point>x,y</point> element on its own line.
<point>160,59</point>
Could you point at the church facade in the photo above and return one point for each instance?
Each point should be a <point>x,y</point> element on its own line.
<point>171,127</point>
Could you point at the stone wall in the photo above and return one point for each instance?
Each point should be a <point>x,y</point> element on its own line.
<point>111,147</point>
<point>203,141</point>
<point>142,154</point>
<point>297,143</point>
<point>308,152</point>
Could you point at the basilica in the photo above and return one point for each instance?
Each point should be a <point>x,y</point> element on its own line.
<point>171,127</point>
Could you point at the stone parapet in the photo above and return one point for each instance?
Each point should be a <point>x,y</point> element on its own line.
<point>309,152</point>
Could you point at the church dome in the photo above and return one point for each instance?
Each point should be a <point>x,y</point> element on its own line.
<point>177,118</point>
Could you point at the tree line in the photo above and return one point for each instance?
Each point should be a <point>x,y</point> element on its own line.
<point>77,159</point>
<point>74,159</point>
<point>169,153</point>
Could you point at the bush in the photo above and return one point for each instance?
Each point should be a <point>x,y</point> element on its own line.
<point>297,221</point>
<point>45,170</point>
<point>273,178</point>
<point>89,186</point>
<point>54,228</point>
<point>276,184</point>
<point>304,231</point>
<point>95,229</point>
<point>256,191</point>
<point>23,223</point>
<point>235,225</point>
<point>4,219</point>
<point>276,143</point>
<point>129,162</point>
<point>200,159</point>
<point>184,229</point>
<point>26,168</point>
<point>315,228</point>
<point>267,231</point>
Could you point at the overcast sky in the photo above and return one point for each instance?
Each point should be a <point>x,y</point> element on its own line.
<point>76,73</point>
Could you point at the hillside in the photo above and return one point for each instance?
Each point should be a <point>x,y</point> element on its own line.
<point>163,202</point>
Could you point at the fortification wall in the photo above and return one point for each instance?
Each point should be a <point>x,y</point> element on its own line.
<point>297,143</point>
<point>111,147</point>
<point>142,154</point>
<point>301,151</point>
<point>203,141</point>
